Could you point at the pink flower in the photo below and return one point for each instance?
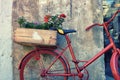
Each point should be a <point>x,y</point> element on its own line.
<point>62,16</point>
<point>46,18</point>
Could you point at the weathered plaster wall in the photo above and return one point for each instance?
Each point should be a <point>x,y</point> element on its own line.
<point>6,71</point>
<point>80,13</point>
<point>28,9</point>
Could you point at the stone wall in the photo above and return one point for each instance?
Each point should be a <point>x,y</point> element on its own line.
<point>6,66</point>
<point>28,9</point>
<point>80,13</point>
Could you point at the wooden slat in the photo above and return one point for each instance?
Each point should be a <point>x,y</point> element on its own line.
<point>35,36</point>
<point>117,5</point>
<point>27,40</point>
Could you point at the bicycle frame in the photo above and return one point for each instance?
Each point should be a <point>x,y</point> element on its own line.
<point>88,62</point>
<point>78,68</point>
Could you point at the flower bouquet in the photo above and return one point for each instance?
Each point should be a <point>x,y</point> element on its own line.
<point>49,22</point>
<point>39,33</point>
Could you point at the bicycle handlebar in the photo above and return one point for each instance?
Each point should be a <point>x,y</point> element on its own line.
<point>89,27</point>
<point>111,19</point>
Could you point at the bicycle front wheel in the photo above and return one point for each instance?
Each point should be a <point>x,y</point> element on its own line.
<point>36,63</point>
<point>115,65</point>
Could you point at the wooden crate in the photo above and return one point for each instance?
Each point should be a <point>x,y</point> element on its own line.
<point>35,36</point>
<point>117,5</point>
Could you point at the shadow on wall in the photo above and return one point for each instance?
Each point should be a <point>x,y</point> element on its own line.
<point>114,30</point>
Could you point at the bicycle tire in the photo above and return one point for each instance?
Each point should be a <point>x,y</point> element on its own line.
<point>30,63</point>
<point>115,65</point>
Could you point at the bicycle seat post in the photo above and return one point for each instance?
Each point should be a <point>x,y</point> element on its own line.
<point>72,53</point>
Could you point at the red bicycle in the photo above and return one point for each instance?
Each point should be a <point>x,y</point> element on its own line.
<point>42,63</point>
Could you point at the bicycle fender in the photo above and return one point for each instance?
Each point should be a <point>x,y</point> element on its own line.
<point>113,65</point>
<point>23,59</point>
<point>33,51</point>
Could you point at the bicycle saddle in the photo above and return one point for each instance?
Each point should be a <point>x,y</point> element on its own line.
<point>64,31</point>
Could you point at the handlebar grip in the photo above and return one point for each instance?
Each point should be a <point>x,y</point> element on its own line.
<point>111,19</point>
<point>89,27</point>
